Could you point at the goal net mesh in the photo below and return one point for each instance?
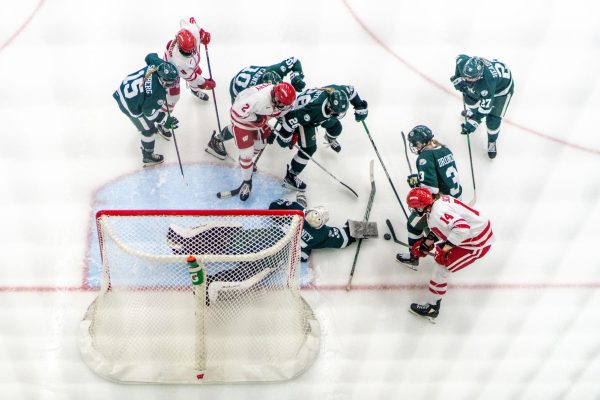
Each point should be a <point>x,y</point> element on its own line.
<point>235,315</point>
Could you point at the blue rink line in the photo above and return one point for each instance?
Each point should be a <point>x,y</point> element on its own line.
<point>163,188</point>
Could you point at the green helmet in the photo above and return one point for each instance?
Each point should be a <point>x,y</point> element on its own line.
<point>270,77</point>
<point>167,74</point>
<point>418,137</point>
<point>338,101</point>
<point>473,69</point>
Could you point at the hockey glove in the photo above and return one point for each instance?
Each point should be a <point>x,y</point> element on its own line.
<point>208,84</point>
<point>171,123</point>
<point>420,248</point>
<point>284,141</point>
<point>361,111</point>
<point>204,37</point>
<point>266,133</point>
<point>459,83</point>
<point>468,127</point>
<point>413,180</point>
<point>296,79</point>
<point>441,256</point>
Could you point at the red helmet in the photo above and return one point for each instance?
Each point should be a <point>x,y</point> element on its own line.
<point>284,95</point>
<point>419,198</point>
<point>186,42</point>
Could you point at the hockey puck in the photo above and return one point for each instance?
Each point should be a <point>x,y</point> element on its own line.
<point>387,236</point>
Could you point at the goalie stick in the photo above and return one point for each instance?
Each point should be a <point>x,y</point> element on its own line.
<point>367,213</point>
<point>395,239</point>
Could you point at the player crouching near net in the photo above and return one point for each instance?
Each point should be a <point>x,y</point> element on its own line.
<point>460,236</point>
<point>250,112</point>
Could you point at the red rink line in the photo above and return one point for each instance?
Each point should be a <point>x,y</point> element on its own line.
<point>356,288</point>
<point>447,90</point>
<point>22,27</point>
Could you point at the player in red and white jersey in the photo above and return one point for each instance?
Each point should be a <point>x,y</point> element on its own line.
<point>460,234</point>
<point>184,52</point>
<point>250,112</point>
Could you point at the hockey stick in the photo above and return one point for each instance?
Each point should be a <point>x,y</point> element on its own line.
<point>472,202</point>
<point>366,218</point>
<point>175,141</point>
<point>384,169</point>
<point>318,164</point>
<point>395,239</point>
<point>212,90</point>
<point>231,193</point>
<point>326,171</point>
<point>406,152</point>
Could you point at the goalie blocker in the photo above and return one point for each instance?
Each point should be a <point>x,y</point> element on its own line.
<point>363,229</point>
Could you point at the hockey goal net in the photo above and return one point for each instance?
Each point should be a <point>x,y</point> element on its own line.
<point>230,313</point>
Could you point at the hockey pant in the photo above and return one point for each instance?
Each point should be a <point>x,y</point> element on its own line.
<point>307,140</point>
<point>249,142</point>
<point>459,259</point>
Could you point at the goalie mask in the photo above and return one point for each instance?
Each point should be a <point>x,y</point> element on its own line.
<point>316,216</point>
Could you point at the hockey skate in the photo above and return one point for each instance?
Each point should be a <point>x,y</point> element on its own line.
<point>150,159</point>
<point>408,260</point>
<point>216,147</point>
<point>427,311</point>
<point>492,150</point>
<point>333,143</point>
<point>201,95</point>
<point>291,181</point>
<point>245,190</point>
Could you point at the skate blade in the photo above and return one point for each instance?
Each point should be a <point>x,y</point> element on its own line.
<point>214,153</point>
<point>425,317</point>
<point>409,266</point>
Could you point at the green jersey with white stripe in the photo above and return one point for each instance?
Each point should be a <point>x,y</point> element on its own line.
<point>437,171</point>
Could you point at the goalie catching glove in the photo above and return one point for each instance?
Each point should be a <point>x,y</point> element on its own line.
<point>362,229</point>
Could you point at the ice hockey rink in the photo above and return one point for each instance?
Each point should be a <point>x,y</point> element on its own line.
<point>522,323</point>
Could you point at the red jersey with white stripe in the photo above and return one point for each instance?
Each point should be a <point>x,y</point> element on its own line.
<point>452,220</point>
<point>253,107</point>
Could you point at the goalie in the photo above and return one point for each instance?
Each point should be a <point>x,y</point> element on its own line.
<point>316,234</point>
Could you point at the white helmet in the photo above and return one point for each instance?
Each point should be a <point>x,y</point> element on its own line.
<point>316,216</point>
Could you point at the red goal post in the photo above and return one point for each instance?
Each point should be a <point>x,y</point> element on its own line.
<point>235,316</point>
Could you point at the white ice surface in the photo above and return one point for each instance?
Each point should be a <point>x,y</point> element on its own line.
<point>520,324</point>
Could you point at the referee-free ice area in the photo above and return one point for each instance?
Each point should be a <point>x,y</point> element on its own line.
<point>519,324</point>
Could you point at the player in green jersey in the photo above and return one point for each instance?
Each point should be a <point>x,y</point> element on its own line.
<point>252,76</point>
<point>487,87</point>
<point>315,233</point>
<point>436,171</point>
<point>142,98</point>
<point>323,107</point>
